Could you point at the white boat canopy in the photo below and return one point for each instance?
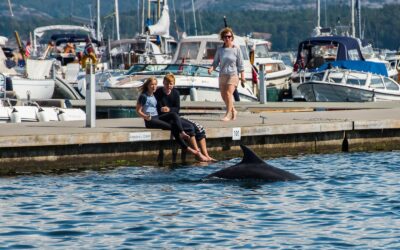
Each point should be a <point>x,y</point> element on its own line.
<point>38,32</point>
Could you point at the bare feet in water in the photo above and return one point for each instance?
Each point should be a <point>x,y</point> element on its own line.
<point>211,159</point>
<point>201,157</point>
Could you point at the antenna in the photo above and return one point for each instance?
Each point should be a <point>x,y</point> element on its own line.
<point>225,23</point>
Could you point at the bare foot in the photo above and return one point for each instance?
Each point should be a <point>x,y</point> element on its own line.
<point>201,157</point>
<point>212,159</point>
<point>234,114</point>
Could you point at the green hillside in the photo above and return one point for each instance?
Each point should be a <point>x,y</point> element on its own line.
<point>286,25</point>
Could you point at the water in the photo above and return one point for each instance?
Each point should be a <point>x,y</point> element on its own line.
<point>346,201</point>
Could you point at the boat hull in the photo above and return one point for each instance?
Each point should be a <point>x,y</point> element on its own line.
<point>186,94</point>
<point>328,92</point>
<point>34,89</point>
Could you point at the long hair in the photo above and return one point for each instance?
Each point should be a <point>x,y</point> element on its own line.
<point>146,84</point>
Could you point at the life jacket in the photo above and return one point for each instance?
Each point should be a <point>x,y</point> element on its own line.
<point>88,49</point>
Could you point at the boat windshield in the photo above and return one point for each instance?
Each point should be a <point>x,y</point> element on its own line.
<point>145,67</point>
<point>376,82</point>
<point>261,50</point>
<point>188,50</point>
<point>356,79</point>
<point>335,77</point>
<point>176,69</point>
<point>190,70</point>
<point>211,49</point>
<point>390,84</point>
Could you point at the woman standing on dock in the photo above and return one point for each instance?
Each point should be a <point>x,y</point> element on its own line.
<point>146,108</point>
<point>230,60</point>
<point>168,101</point>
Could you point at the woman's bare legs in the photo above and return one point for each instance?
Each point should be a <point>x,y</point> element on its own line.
<point>224,90</point>
<point>230,109</point>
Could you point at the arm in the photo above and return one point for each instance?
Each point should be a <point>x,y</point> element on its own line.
<point>158,94</point>
<point>139,108</point>
<point>239,64</point>
<point>215,62</point>
<point>176,102</point>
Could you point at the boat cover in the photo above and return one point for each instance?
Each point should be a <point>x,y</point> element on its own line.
<point>364,66</point>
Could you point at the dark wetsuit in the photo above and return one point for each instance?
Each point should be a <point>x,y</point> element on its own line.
<point>167,121</point>
<point>172,101</point>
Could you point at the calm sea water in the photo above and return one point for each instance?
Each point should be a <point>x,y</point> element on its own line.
<point>346,201</point>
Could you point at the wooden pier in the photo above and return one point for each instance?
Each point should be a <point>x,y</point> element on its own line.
<point>272,129</point>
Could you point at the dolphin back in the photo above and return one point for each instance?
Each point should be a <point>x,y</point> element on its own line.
<point>253,167</point>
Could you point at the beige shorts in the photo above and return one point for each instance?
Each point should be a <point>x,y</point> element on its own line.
<point>228,80</point>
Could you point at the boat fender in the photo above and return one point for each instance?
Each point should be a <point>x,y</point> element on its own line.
<point>62,116</point>
<point>42,116</point>
<point>15,117</point>
<point>193,94</point>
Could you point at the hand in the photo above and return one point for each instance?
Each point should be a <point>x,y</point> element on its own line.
<point>148,118</point>
<point>165,109</point>
<point>210,70</point>
<point>242,82</point>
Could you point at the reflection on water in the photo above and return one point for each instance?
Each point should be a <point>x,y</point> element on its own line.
<point>346,201</point>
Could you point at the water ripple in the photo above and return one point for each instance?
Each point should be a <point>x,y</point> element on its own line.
<point>345,201</point>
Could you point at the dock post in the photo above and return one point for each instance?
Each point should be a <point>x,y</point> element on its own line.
<point>262,88</point>
<point>90,96</point>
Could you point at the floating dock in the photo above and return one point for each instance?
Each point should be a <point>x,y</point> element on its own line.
<point>272,130</point>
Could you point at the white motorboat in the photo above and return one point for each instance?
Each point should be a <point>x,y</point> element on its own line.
<point>344,85</point>
<point>192,81</point>
<point>317,53</point>
<point>277,73</point>
<point>200,50</point>
<point>17,110</point>
<point>38,83</point>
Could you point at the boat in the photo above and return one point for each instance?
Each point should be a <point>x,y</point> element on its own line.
<point>62,33</point>
<point>277,73</point>
<point>200,50</point>
<point>36,83</point>
<point>338,84</point>
<point>192,81</point>
<point>155,46</point>
<point>316,53</point>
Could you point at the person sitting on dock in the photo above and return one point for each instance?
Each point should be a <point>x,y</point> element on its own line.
<point>168,101</point>
<point>146,107</point>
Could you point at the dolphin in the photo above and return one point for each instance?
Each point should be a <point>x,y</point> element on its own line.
<point>253,167</point>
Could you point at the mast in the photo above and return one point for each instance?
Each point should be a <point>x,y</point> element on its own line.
<point>10,6</point>
<point>358,5</point>
<point>353,28</point>
<point>318,7</point>
<point>194,18</point>
<point>142,17</point>
<point>117,19</point>
<point>98,25</point>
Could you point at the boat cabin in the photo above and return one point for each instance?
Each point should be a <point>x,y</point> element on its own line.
<point>316,51</point>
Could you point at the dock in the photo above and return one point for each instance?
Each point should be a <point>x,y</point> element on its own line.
<point>272,130</point>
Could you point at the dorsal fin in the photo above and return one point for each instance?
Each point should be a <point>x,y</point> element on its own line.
<point>249,156</point>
